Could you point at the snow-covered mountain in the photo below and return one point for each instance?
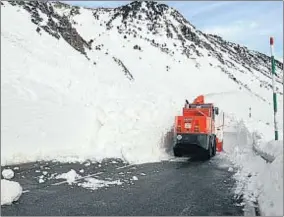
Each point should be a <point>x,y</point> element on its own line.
<point>97,83</point>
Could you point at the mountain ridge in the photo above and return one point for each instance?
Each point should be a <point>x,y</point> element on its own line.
<point>158,24</point>
<point>136,5</point>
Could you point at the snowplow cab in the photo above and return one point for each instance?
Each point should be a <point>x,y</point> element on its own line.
<point>195,130</point>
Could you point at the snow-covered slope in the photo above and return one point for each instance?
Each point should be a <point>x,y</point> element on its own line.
<point>83,83</point>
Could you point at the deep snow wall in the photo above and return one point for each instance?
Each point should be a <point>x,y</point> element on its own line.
<point>58,105</point>
<point>48,91</point>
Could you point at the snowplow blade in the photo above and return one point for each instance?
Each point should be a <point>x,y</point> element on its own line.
<point>191,145</point>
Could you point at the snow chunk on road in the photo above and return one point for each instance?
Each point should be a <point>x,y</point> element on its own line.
<point>10,191</point>
<point>41,180</point>
<point>8,173</point>
<point>87,164</point>
<point>70,177</point>
<point>134,178</point>
<point>94,184</point>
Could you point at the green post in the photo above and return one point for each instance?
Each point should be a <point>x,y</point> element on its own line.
<point>274,88</point>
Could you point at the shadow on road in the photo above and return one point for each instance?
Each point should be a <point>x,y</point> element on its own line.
<point>167,141</point>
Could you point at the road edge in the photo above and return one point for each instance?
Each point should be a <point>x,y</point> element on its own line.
<point>249,209</point>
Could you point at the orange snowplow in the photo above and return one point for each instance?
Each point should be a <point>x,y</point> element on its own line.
<point>195,131</point>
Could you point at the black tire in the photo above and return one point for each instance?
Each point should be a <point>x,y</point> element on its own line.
<point>209,152</point>
<point>177,153</point>
<point>214,145</point>
<point>214,149</point>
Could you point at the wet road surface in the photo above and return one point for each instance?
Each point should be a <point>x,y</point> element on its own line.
<point>175,187</point>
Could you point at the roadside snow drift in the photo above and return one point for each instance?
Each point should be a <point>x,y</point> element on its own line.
<point>258,181</point>
<point>270,183</point>
<point>10,191</point>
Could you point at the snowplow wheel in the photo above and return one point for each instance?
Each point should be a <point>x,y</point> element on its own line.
<point>177,153</point>
<point>209,152</point>
<point>214,145</point>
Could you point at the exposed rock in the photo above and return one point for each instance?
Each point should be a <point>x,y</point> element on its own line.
<point>158,25</point>
<point>126,71</point>
<point>57,25</point>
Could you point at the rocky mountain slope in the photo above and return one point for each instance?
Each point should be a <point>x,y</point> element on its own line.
<point>160,26</point>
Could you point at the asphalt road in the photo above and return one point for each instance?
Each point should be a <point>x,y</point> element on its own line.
<point>177,187</point>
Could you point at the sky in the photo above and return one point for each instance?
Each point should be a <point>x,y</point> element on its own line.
<point>249,23</point>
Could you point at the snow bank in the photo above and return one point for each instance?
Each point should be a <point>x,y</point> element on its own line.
<point>269,150</point>
<point>58,105</point>
<point>10,191</point>
<point>47,92</point>
<point>258,180</point>
<point>270,178</point>
<point>247,140</point>
<point>270,181</point>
